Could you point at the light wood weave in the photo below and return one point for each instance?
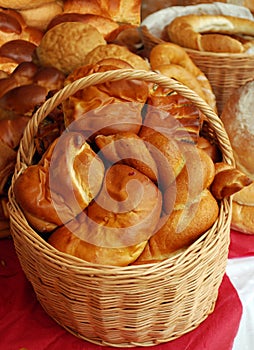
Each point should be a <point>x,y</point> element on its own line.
<point>139,305</point>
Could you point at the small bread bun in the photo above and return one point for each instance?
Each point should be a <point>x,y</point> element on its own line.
<point>18,50</point>
<point>64,182</point>
<point>116,226</point>
<point>66,45</point>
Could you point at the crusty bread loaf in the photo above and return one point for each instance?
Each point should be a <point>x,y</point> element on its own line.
<point>205,32</point>
<point>238,122</point>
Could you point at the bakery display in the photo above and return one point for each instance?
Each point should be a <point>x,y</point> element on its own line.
<point>237,118</point>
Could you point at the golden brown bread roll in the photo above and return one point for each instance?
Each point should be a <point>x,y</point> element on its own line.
<point>181,228</point>
<point>86,110</point>
<point>121,11</point>
<point>187,31</point>
<point>116,226</point>
<point>130,149</point>
<point>175,115</point>
<point>228,181</point>
<point>104,25</point>
<point>167,154</point>
<point>197,174</point>
<point>173,61</point>
<point>66,45</point>
<point>64,182</point>
<point>19,50</point>
<point>116,51</point>
<point>14,27</point>
<point>27,79</point>
<point>39,16</point>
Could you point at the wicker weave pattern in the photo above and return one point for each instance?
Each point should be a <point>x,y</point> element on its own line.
<point>138,305</point>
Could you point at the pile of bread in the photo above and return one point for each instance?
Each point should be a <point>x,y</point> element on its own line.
<point>122,172</point>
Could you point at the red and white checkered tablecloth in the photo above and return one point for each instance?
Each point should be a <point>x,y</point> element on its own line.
<point>24,323</point>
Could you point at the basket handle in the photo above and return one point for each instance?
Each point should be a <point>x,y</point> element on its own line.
<point>27,147</point>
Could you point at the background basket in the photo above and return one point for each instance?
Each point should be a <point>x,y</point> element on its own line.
<point>225,72</point>
<point>138,305</point>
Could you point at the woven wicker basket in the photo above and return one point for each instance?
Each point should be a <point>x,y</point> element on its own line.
<point>225,72</point>
<point>139,305</point>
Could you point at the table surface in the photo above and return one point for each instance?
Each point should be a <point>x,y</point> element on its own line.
<point>25,325</point>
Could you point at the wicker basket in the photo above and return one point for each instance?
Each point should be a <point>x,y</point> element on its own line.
<point>225,72</point>
<point>139,305</point>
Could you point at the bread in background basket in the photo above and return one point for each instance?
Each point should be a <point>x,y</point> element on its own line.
<point>221,69</point>
<point>237,117</point>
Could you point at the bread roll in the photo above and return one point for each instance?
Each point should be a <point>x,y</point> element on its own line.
<point>96,109</point>
<point>14,27</point>
<point>116,51</point>
<point>116,226</point>
<point>130,149</point>
<point>104,25</point>
<point>173,61</point>
<point>181,228</point>
<point>178,117</point>
<point>121,11</point>
<point>39,16</point>
<point>64,182</point>
<point>187,31</point>
<point>197,174</point>
<point>66,45</point>
<point>167,154</point>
